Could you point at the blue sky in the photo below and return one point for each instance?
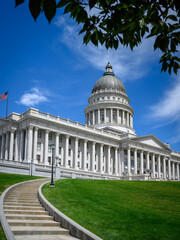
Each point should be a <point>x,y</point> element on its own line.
<point>46,66</point>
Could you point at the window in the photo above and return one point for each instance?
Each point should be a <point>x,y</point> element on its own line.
<point>86,165</point>
<point>118,98</point>
<point>39,134</point>
<point>125,152</point>
<point>69,163</point>
<point>113,98</point>
<point>49,159</point>
<point>98,99</point>
<point>102,118</point>
<point>49,148</point>
<point>95,167</point>
<point>103,168</point>
<point>78,154</point>
<point>132,154</point>
<point>79,143</point>
<point>114,117</point>
<point>60,138</point>
<point>108,97</point>
<point>78,164</point>
<point>87,145</point>
<point>38,146</point>
<point>138,155</point>
<point>69,152</point>
<point>102,98</point>
<point>69,141</point>
<point>59,150</point>
<point>50,136</point>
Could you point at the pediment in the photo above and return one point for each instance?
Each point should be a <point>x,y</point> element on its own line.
<point>153,141</point>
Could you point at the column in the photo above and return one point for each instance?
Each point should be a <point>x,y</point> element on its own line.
<point>159,166</point>
<point>75,153</point>
<point>92,156</point>
<point>46,145</point>
<point>127,118</point>
<point>173,170</point>
<point>177,171</point>
<point>135,161</point>
<point>111,117</point>
<point>153,165</point>
<point>16,153</point>
<point>116,162</point>
<point>21,150</point>
<point>84,155</point>
<point>142,162</point>
<point>169,169</point>
<point>7,146</point>
<point>35,145</point>
<point>131,121</point>
<point>104,115</point>
<point>93,118</point>
<point>26,141</point>
<point>29,144</point>
<point>117,115</point>
<point>11,144</point>
<point>99,117</point>
<point>123,119</point>
<point>129,161</point>
<point>108,160</point>
<point>89,119</point>
<point>66,151</point>
<point>164,167</point>
<point>147,161</point>
<point>57,148</point>
<point>100,158</point>
<point>2,146</point>
<point>120,162</point>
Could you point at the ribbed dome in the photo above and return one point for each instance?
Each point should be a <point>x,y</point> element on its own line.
<point>108,81</point>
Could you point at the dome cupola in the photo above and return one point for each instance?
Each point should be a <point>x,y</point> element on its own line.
<point>109,107</point>
<point>108,81</point>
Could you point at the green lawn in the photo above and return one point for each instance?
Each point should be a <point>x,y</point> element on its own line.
<point>116,210</point>
<point>7,180</point>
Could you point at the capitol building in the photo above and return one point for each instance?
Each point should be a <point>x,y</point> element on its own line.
<point>105,147</point>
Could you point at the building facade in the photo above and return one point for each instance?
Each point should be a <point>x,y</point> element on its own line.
<point>105,147</point>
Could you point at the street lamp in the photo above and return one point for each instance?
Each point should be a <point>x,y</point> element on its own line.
<point>53,148</point>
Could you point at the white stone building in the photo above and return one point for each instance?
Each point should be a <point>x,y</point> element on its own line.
<point>105,147</point>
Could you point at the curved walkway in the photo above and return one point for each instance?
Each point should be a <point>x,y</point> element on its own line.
<point>27,218</point>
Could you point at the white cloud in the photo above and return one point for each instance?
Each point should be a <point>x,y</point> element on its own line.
<point>33,97</point>
<point>169,106</point>
<point>126,64</point>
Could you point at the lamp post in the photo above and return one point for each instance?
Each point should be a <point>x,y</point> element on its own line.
<point>53,148</point>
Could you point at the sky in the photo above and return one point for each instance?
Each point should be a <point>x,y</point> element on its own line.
<point>47,67</point>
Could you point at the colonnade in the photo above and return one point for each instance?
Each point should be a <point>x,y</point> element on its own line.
<point>139,161</point>
<point>87,154</point>
<point>109,115</point>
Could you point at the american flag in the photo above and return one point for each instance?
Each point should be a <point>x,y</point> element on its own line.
<point>4,96</point>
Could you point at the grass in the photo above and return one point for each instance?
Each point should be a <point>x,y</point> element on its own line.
<point>120,209</point>
<point>7,180</point>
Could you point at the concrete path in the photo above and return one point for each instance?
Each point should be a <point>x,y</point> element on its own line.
<point>28,220</point>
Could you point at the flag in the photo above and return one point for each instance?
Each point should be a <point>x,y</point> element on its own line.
<point>4,96</point>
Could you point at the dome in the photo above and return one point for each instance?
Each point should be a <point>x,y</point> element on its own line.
<point>109,81</point>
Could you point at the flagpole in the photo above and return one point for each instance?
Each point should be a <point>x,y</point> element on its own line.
<point>7,104</point>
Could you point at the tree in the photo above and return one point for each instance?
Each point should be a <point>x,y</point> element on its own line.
<point>124,22</point>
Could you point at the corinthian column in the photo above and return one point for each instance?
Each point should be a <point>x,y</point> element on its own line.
<point>135,161</point>
<point>7,146</point>
<point>35,145</point>
<point>84,155</point>
<point>11,145</point>
<point>92,156</point>
<point>66,151</point>
<point>16,154</point>
<point>142,162</point>
<point>164,167</point>
<point>129,161</point>
<point>29,144</point>
<point>75,153</point>
<point>46,145</point>
<point>2,146</point>
<point>116,161</point>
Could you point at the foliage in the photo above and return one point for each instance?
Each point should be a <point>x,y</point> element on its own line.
<point>125,22</point>
<point>120,209</point>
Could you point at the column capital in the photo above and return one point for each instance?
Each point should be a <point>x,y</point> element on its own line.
<point>36,128</point>
<point>13,130</point>
<point>30,127</point>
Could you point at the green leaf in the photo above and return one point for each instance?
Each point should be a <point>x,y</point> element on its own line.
<point>18,2</point>
<point>62,3</point>
<point>49,8</point>
<point>35,8</point>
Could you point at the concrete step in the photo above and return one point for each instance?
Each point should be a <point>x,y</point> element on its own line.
<point>28,217</point>
<point>44,237</point>
<point>46,223</point>
<point>25,212</point>
<point>17,230</point>
<point>21,204</point>
<point>21,201</point>
<point>6,207</point>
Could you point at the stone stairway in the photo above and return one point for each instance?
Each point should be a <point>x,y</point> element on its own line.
<point>28,220</point>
